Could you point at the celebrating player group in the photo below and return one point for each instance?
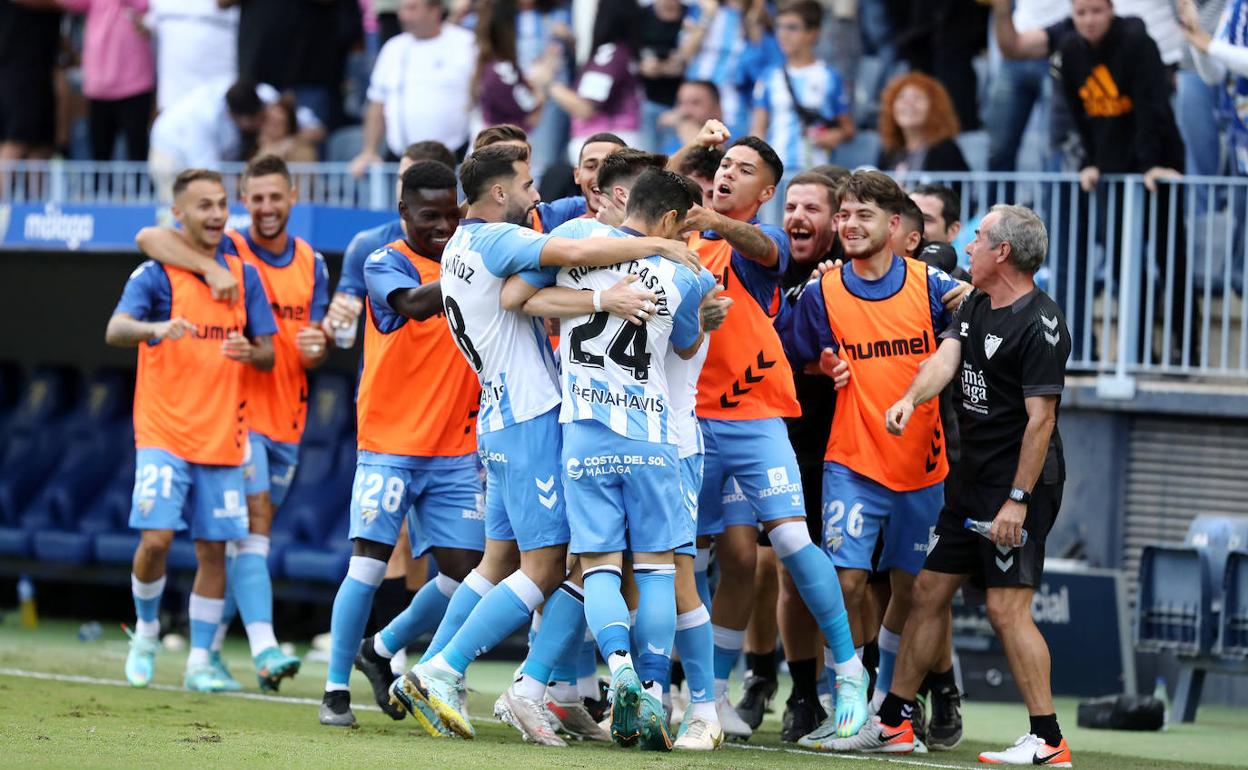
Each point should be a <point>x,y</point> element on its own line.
<point>607,418</point>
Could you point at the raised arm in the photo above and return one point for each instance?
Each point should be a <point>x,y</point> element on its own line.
<point>933,375</point>
<point>746,239</point>
<point>168,247</point>
<point>1014,43</point>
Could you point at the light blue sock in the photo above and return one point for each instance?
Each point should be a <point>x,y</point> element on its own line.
<point>352,605</point>
<point>422,615</point>
<point>816,582</point>
<point>147,605</point>
<point>587,661</point>
<point>606,614</point>
<point>470,592</point>
<point>205,614</point>
<point>728,643</point>
<point>656,619</point>
<point>504,609</point>
<point>701,575</point>
<point>889,644</point>
<point>557,639</point>
<point>249,578</point>
<point>696,646</point>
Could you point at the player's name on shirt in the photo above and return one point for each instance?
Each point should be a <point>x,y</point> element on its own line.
<point>453,264</point>
<point>643,402</point>
<point>648,279</point>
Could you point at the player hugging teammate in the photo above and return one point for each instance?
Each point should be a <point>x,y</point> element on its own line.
<point>612,467</point>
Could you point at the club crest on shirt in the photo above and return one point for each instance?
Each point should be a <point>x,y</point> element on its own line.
<point>991,343</point>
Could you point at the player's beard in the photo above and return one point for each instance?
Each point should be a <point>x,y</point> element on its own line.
<point>873,246</point>
<point>517,214</point>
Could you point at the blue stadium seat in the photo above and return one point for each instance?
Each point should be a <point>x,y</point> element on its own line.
<point>116,547</point>
<point>1233,642</point>
<point>10,391</point>
<point>182,553</point>
<point>32,442</point>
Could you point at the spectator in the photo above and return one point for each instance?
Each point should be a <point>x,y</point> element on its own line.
<point>800,106</point>
<point>697,101</point>
<point>918,126</point>
<point>541,24</point>
<point>420,85</point>
<point>1222,60</point>
<point>1114,80</point>
<point>279,133</point>
<point>1020,84</point>
<point>216,122</point>
<point>387,14</point>
<point>29,42</point>
<point>718,34</point>
<point>607,97</point>
<point>662,67</point>
<point>196,42</point>
<point>118,75</point>
<point>314,38</point>
<point>946,36</point>
<point>1197,103</point>
<point>499,86</point>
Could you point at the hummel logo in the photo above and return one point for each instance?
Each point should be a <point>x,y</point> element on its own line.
<point>695,694</point>
<point>1052,339</point>
<point>1051,323</point>
<point>655,650</point>
<point>546,485</point>
<point>548,500</point>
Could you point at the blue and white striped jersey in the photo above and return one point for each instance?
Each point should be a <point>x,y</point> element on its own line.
<point>509,351</point>
<point>818,87</point>
<point>718,60</point>
<point>615,372</point>
<point>682,381</point>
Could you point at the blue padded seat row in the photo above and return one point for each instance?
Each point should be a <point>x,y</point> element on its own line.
<point>1233,639</point>
<point>32,441</point>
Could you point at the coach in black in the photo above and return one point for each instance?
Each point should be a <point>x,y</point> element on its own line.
<point>1010,344</point>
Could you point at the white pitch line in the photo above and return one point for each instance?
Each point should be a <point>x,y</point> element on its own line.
<point>77,679</point>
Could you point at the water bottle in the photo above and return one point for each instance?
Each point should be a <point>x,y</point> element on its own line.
<point>984,527</point>
<point>89,632</point>
<point>344,336</point>
<point>26,602</point>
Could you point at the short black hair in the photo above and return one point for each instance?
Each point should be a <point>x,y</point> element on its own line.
<point>502,132</point>
<point>708,85</point>
<point>769,156</point>
<point>658,191</point>
<point>186,177</point>
<point>481,168</point>
<point>426,175</point>
<point>265,165</point>
<point>625,165</point>
<point>430,150</point>
<point>809,11</point>
<point>950,203</point>
<point>702,161</point>
<point>243,100</point>
<point>601,136</point>
<point>912,216</point>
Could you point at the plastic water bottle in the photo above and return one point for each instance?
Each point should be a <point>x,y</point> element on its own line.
<point>344,336</point>
<point>26,602</point>
<point>984,527</point>
<point>89,632</point>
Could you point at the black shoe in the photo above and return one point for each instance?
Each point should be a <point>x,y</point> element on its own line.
<point>801,716</point>
<point>336,709</point>
<point>945,731</point>
<point>918,719</point>
<point>377,670</point>
<point>599,708</point>
<point>756,701</point>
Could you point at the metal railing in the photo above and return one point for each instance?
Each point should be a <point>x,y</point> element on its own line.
<point>1151,283</point>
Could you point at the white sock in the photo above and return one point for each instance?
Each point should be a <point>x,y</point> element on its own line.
<point>398,664</point>
<point>218,639</point>
<point>587,687</point>
<point>877,700</point>
<point>197,657</point>
<point>721,688</point>
<point>260,637</point>
<point>439,662</point>
<point>528,687</point>
<point>149,629</point>
<point>615,662</point>
<point>565,692</point>
<point>703,710</point>
<point>336,688</point>
<point>655,690</point>
<point>380,647</point>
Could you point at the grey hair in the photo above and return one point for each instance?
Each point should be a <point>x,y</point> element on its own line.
<point>1023,229</point>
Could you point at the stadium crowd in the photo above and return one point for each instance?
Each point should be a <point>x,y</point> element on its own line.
<point>662,433</point>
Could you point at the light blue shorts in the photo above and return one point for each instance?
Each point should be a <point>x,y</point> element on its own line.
<point>269,467</point>
<point>623,494</point>
<point>751,475</point>
<point>523,484</point>
<point>857,509</point>
<point>166,487</point>
<point>690,489</point>
<point>441,497</point>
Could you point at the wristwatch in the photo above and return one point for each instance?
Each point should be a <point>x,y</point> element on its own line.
<point>1019,495</point>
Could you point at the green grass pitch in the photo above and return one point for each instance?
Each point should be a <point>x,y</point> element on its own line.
<point>61,705</point>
